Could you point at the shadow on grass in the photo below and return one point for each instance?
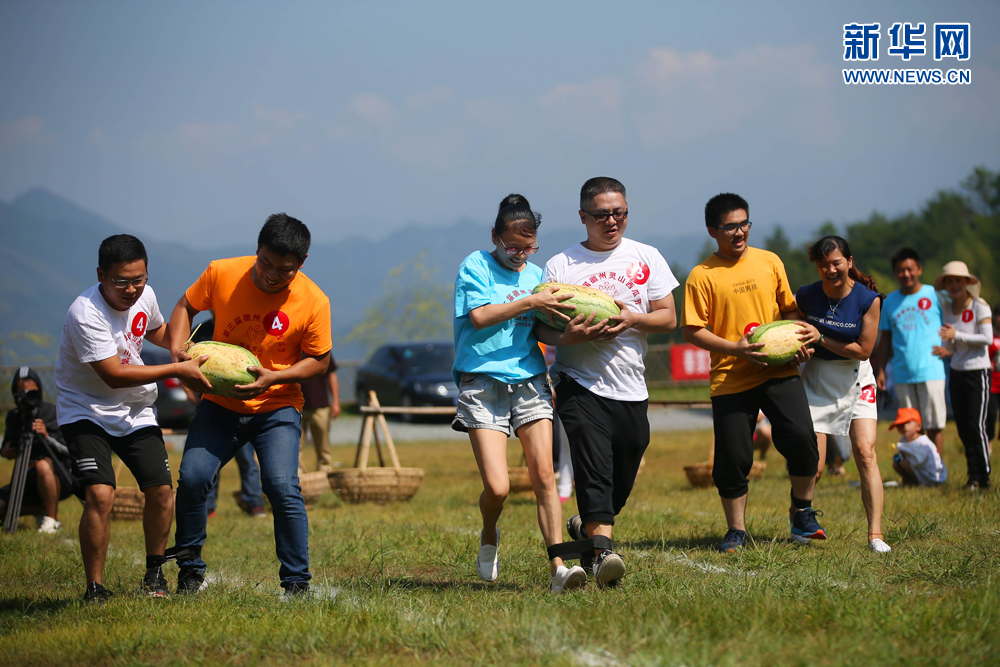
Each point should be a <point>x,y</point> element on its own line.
<point>684,544</point>
<point>28,606</point>
<point>409,583</point>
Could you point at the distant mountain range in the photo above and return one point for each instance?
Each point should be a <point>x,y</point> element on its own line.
<point>49,246</point>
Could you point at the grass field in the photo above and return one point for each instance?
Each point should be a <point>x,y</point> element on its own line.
<point>395,584</point>
<point>681,393</point>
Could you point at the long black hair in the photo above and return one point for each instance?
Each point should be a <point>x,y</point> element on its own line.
<point>827,245</point>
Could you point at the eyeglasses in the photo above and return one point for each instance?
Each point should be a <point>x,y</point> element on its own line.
<point>514,251</point>
<point>731,229</point>
<point>121,283</point>
<point>618,215</point>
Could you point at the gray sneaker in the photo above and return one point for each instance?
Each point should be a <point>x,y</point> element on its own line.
<point>609,568</point>
<point>574,526</point>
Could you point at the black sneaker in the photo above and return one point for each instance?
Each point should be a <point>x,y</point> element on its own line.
<point>154,584</point>
<point>190,580</point>
<point>609,568</point>
<point>297,591</point>
<point>574,526</point>
<point>733,541</point>
<point>97,593</point>
<point>805,528</point>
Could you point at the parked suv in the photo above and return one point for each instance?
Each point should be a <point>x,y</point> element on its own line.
<point>409,374</point>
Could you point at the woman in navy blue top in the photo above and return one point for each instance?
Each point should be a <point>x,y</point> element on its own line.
<point>843,308</point>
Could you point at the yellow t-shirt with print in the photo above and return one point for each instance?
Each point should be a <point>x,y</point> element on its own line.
<point>731,298</point>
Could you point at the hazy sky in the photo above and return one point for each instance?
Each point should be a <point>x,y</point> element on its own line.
<point>195,120</point>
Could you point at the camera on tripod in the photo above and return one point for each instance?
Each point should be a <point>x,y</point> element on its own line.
<point>28,401</point>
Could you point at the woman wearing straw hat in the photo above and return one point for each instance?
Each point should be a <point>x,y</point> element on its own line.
<point>966,336</point>
<point>842,311</point>
<point>500,372</point>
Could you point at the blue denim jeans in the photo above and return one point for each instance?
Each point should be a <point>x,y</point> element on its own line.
<point>215,435</point>
<point>249,481</point>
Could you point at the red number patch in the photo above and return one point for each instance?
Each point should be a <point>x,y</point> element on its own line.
<point>924,304</point>
<point>967,316</point>
<point>638,273</point>
<point>276,323</point>
<point>748,329</point>
<point>868,394</point>
<point>139,324</point>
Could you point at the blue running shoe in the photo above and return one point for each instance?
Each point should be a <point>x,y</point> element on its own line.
<point>805,528</point>
<point>733,541</point>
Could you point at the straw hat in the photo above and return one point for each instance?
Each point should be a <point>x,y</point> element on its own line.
<point>960,270</point>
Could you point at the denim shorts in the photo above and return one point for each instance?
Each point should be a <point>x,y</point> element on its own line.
<point>484,402</point>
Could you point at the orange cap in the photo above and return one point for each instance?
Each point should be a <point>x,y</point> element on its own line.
<point>906,415</point>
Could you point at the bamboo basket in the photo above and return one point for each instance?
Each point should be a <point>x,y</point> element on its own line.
<point>381,485</point>
<point>313,484</point>
<point>520,480</point>
<point>129,502</point>
<point>700,474</point>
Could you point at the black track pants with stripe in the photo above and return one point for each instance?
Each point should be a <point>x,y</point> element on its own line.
<point>970,393</point>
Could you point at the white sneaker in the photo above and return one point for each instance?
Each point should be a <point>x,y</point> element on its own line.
<point>487,562</point>
<point>568,579</point>
<point>48,525</point>
<point>879,547</point>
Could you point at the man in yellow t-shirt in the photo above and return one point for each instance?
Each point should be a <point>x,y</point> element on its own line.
<point>727,296</point>
<point>266,305</point>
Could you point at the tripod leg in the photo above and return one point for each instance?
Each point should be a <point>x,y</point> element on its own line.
<point>17,483</point>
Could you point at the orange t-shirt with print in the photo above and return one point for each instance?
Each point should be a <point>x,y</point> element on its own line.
<point>278,328</point>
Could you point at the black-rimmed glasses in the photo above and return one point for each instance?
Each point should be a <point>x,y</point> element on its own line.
<point>618,215</point>
<point>731,228</point>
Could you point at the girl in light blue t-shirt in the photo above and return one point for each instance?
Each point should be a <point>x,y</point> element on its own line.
<point>500,372</point>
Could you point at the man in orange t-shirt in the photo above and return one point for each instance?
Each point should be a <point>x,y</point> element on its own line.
<point>264,304</point>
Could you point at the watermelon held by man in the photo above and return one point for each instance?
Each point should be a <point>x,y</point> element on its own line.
<point>226,366</point>
<point>780,339</point>
<point>585,300</point>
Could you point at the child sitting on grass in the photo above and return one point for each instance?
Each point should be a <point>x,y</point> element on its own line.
<point>916,460</point>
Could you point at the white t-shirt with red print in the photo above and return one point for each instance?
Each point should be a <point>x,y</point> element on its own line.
<point>633,273</point>
<point>94,331</point>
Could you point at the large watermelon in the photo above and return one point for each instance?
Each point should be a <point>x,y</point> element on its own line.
<point>781,342</point>
<point>226,365</point>
<point>585,301</point>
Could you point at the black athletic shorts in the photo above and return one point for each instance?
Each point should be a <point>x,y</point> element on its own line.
<point>784,403</point>
<point>142,452</point>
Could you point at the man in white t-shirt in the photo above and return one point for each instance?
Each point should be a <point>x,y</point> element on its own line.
<point>105,404</point>
<point>601,392</point>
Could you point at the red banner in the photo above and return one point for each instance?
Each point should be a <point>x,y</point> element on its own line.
<point>689,362</point>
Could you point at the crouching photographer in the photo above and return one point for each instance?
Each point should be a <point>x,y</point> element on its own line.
<point>32,423</point>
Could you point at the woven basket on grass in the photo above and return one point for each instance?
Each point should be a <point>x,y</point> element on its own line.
<point>700,474</point>
<point>520,481</point>
<point>314,484</point>
<point>129,504</point>
<point>361,483</point>
<point>129,501</point>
